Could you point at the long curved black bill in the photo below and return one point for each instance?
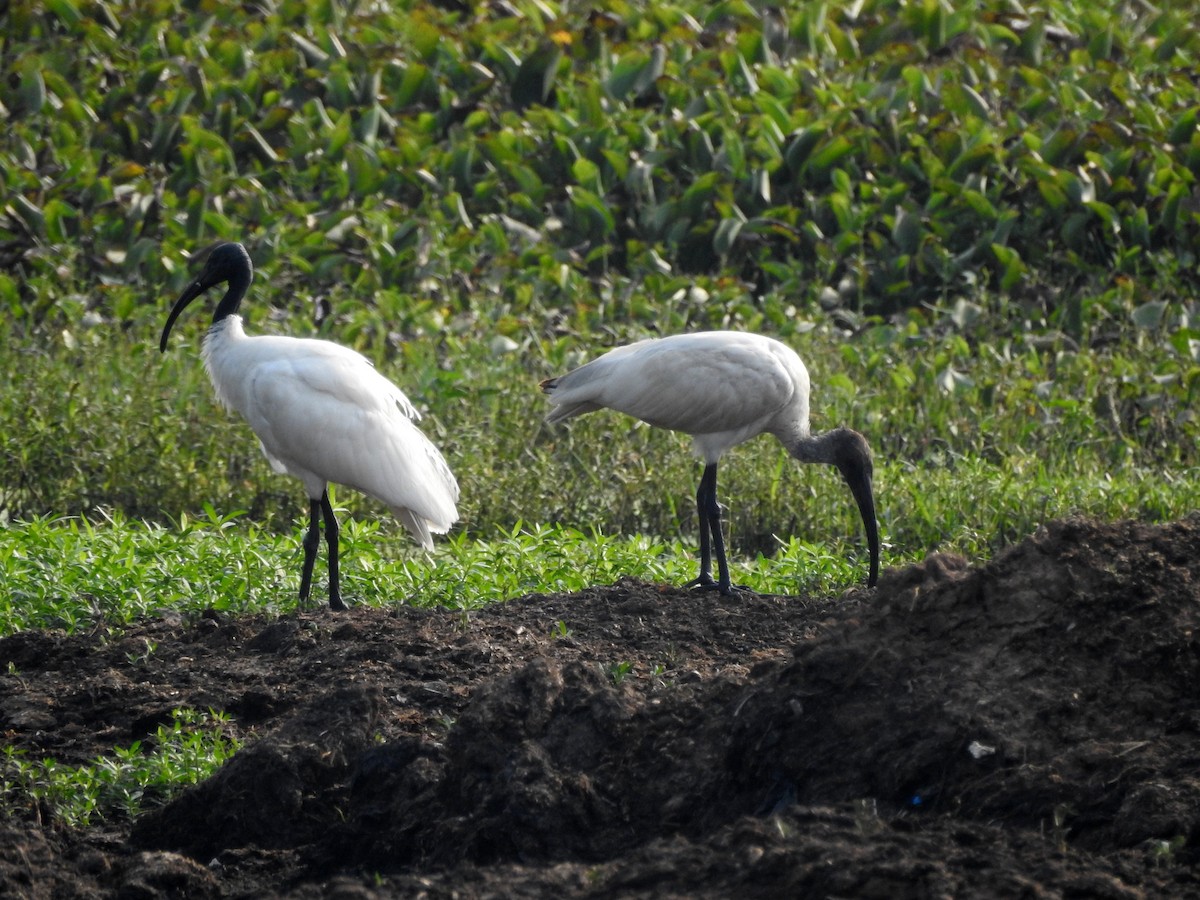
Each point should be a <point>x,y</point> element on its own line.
<point>865,497</point>
<point>194,290</point>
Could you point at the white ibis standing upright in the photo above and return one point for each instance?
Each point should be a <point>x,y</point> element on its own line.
<point>322,414</point>
<point>722,388</point>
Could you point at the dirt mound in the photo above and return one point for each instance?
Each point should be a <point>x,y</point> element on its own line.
<point>1025,728</point>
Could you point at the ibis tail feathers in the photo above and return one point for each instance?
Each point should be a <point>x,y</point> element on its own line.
<point>421,528</point>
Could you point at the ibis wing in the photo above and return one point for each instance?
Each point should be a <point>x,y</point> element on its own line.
<point>702,383</point>
<point>334,418</point>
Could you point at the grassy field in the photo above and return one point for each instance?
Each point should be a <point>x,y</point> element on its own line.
<point>977,227</point>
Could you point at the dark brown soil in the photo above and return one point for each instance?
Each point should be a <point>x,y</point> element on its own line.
<point>1028,728</point>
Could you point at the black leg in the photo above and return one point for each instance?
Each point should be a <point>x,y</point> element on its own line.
<point>706,508</point>
<point>312,540</point>
<point>723,583</point>
<point>705,494</point>
<point>718,539</point>
<point>331,539</point>
<point>712,541</point>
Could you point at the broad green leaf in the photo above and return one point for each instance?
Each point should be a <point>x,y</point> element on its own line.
<point>698,195</point>
<point>28,213</point>
<point>368,125</point>
<point>906,231</point>
<point>802,146</point>
<point>631,75</point>
<point>1138,227</point>
<point>66,10</point>
<point>32,88</point>
<point>1057,146</point>
<point>1100,44</point>
<point>340,135</point>
<point>1149,316</point>
<point>535,78</point>
<point>1184,127</point>
<point>416,76</point>
<point>727,235</point>
<point>979,204</point>
<point>1172,223</point>
<point>734,153</point>
<point>1105,212</point>
<point>366,173</point>
<point>829,155</point>
<point>1054,195</point>
<point>586,173</point>
<point>56,213</point>
<point>590,209</point>
<point>1012,268</point>
<point>975,104</point>
<point>975,157</point>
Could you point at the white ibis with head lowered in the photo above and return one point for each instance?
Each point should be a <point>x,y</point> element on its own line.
<point>722,388</point>
<point>323,414</point>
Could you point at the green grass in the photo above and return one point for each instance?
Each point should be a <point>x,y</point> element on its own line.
<point>980,435</point>
<point>118,786</point>
<point>972,227</point>
<point>75,575</point>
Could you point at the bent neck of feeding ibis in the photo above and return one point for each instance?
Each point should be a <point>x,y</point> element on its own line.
<point>851,454</point>
<point>227,263</point>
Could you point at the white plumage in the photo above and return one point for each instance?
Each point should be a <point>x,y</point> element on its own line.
<point>722,388</point>
<point>323,414</point>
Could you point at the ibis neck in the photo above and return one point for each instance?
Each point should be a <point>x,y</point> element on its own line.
<point>220,354</point>
<point>239,283</point>
<point>816,448</point>
<point>851,454</point>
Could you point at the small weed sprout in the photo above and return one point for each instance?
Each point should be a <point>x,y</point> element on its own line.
<point>1060,830</point>
<point>618,672</point>
<point>1162,851</point>
<point>149,649</point>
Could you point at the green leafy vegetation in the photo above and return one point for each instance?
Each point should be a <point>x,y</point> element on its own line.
<point>978,227</point>
<point>128,781</point>
<point>907,150</point>
<point>73,575</point>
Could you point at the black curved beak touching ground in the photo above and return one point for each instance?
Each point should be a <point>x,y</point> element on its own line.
<point>852,457</point>
<point>865,497</point>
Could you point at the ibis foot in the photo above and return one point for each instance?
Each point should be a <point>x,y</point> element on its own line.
<point>707,584</point>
